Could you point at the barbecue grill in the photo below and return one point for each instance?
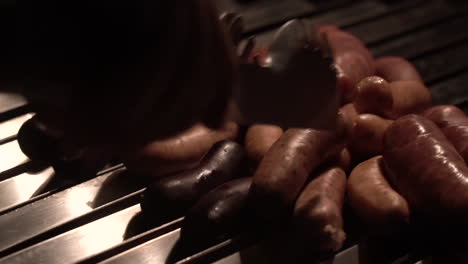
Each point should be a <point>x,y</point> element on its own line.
<point>48,218</point>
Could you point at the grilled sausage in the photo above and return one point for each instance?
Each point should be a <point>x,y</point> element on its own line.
<point>285,168</point>
<point>259,139</point>
<point>352,60</point>
<point>454,124</point>
<point>217,215</point>
<point>396,69</point>
<point>373,199</point>
<point>426,170</point>
<point>367,135</point>
<point>377,96</point>
<point>169,197</point>
<point>318,210</point>
<point>179,152</point>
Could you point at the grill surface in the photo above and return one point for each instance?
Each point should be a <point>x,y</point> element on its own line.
<point>49,219</point>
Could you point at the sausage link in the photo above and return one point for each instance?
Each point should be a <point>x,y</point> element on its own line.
<point>372,198</point>
<point>318,210</point>
<point>426,170</point>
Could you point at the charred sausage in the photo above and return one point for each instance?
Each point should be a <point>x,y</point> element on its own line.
<point>171,196</point>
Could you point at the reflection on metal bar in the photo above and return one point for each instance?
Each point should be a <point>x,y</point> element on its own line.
<point>10,128</point>
<point>57,209</point>
<point>22,187</point>
<point>81,242</point>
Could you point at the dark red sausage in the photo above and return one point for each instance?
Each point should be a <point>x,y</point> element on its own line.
<point>426,170</point>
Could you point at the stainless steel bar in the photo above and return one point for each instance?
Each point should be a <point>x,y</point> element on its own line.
<point>11,156</point>
<point>60,208</point>
<point>79,243</point>
<point>10,127</point>
<point>22,187</point>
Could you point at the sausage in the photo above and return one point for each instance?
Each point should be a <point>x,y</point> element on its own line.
<point>318,210</point>
<point>37,144</point>
<point>45,147</point>
<point>396,69</point>
<point>367,135</point>
<point>344,160</point>
<point>373,199</point>
<point>445,116</point>
<point>285,168</point>
<point>391,100</point>
<point>352,60</point>
<point>169,197</point>
<point>259,138</point>
<point>179,152</point>
<point>426,170</point>
<point>454,124</point>
<point>349,115</point>
<point>218,215</point>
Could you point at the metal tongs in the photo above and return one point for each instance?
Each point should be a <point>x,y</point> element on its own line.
<point>293,85</point>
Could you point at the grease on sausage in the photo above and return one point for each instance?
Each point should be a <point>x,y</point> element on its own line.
<point>426,170</point>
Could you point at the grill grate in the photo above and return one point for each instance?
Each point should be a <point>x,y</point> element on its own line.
<point>431,34</point>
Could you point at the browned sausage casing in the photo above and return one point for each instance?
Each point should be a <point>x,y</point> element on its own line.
<point>426,169</point>
<point>318,210</point>
<point>391,100</point>
<point>349,115</point>
<point>260,138</point>
<point>454,124</point>
<point>396,69</point>
<point>372,198</point>
<point>179,152</point>
<point>286,166</point>
<point>352,59</point>
<point>368,133</point>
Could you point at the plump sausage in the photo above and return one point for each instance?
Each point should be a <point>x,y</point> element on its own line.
<point>318,210</point>
<point>285,168</point>
<point>259,139</point>
<point>169,197</point>
<point>391,100</point>
<point>179,152</point>
<point>367,135</point>
<point>352,59</point>
<point>217,215</point>
<point>349,115</point>
<point>454,124</point>
<point>373,199</point>
<point>396,69</point>
<point>426,170</point>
